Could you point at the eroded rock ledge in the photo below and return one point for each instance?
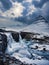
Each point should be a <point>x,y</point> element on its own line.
<point>27,36</point>
<point>34,36</point>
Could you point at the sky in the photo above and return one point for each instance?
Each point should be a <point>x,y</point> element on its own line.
<point>21,9</point>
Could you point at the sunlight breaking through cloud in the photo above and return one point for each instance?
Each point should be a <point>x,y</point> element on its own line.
<point>14,11</point>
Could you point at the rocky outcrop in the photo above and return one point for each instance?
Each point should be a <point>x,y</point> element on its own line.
<point>26,35</point>
<point>9,60</point>
<point>34,36</point>
<point>3,42</point>
<point>1,30</point>
<point>15,36</point>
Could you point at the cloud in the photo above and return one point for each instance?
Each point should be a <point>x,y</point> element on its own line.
<point>15,11</point>
<point>39,3</point>
<point>17,0</point>
<point>6,4</point>
<point>24,8</point>
<point>31,9</point>
<point>22,1</point>
<point>37,0</point>
<point>28,1</point>
<point>45,10</point>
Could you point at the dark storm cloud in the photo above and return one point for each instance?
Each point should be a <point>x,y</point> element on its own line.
<point>40,3</point>
<point>6,4</point>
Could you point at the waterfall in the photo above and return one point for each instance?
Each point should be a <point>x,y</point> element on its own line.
<point>11,43</point>
<point>24,50</point>
<point>17,47</point>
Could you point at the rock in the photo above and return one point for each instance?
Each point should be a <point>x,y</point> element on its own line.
<point>3,42</point>
<point>26,35</point>
<point>1,63</point>
<point>46,38</point>
<point>23,35</point>
<point>34,36</point>
<point>44,49</point>
<point>36,47</point>
<point>1,30</point>
<point>15,36</point>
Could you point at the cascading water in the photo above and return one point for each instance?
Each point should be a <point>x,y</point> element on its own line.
<point>25,51</point>
<point>13,46</point>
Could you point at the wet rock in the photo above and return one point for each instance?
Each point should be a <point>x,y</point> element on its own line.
<point>3,42</point>
<point>44,49</point>
<point>1,63</point>
<point>35,36</point>
<point>1,30</point>
<point>26,35</point>
<point>23,35</point>
<point>46,38</point>
<point>15,36</point>
<point>36,47</point>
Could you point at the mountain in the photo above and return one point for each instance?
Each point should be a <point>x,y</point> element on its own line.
<point>30,19</point>
<point>40,25</point>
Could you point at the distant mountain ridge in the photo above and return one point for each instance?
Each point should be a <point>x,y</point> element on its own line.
<point>31,20</point>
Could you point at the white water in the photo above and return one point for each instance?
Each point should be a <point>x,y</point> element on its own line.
<point>22,51</point>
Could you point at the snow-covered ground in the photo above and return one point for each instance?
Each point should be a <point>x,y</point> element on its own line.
<point>39,26</point>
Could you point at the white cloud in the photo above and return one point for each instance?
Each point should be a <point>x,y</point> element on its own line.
<point>31,9</point>
<point>28,1</point>
<point>14,11</point>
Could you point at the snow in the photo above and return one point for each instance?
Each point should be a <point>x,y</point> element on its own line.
<point>38,27</point>
<point>21,51</point>
<point>11,25</point>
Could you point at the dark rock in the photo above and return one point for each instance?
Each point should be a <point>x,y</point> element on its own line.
<point>36,47</point>
<point>15,36</point>
<point>34,36</point>
<point>44,49</point>
<point>26,35</point>
<point>1,30</point>
<point>3,42</point>
<point>1,63</point>
<point>46,38</point>
<point>23,34</point>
